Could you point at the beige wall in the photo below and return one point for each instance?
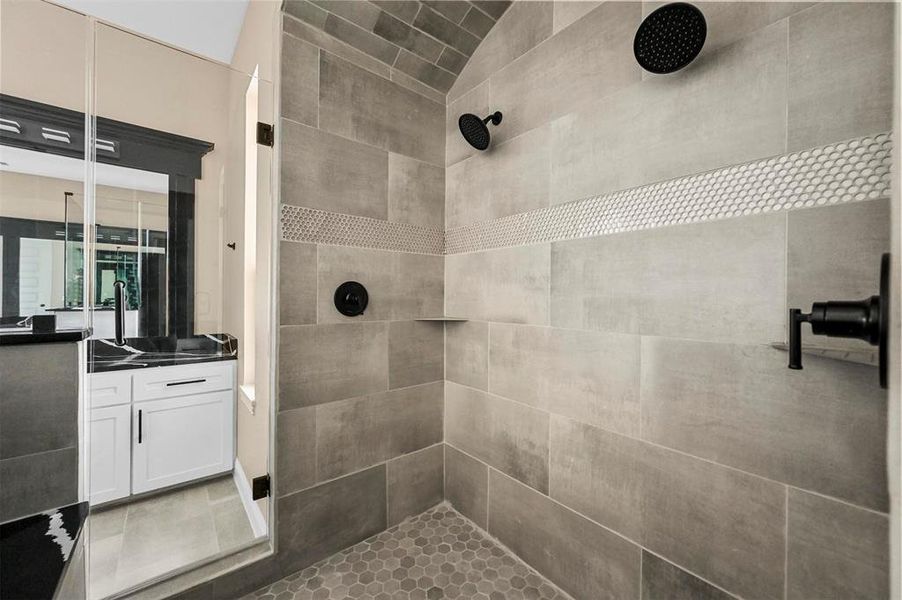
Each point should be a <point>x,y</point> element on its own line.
<point>625,385</point>
<point>41,198</point>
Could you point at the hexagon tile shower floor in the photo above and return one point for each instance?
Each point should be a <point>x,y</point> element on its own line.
<point>438,554</point>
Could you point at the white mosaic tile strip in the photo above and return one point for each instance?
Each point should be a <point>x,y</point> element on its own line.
<point>849,171</point>
<point>301,224</point>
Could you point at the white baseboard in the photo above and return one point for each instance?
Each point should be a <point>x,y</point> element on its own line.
<point>254,514</point>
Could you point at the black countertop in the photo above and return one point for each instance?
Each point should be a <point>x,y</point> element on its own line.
<point>35,551</point>
<point>146,352</point>
<point>26,336</point>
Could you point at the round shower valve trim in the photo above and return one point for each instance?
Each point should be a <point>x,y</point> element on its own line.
<point>351,298</point>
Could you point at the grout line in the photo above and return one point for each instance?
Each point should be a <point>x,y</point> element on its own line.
<point>786,544</point>
<point>641,567</point>
<point>672,450</point>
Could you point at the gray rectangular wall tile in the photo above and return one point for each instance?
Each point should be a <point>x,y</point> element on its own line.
<point>37,482</point>
<point>835,550</point>
<point>584,559</point>
<point>320,521</point>
<point>324,171</point>
<point>415,483</point>
<point>511,179</point>
<point>467,485</point>
<point>314,365</point>
<point>567,12</point>
<point>586,61</point>
<point>296,449</point>
<point>467,353</point>
<point>362,14</point>
<point>360,432</point>
<point>527,24</point>
<point>439,27</point>
<point>740,406</point>
<point>385,115</point>
<point>297,283</point>
<point>722,524</point>
<point>361,39</point>
<point>415,353</point>
<point>323,40</point>
<point>416,192</point>
<point>405,36</point>
<point>723,280</point>
<point>588,376</point>
<point>664,581</point>
<point>834,254</point>
<point>38,399</point>
<point>300,80</point>
<point>508,285</point>
<point>400,285</point>
<point>840,60</point>
<point>647,133</point>
<point>306,11</point>
<point>509,436</point>
<point>424,71</point>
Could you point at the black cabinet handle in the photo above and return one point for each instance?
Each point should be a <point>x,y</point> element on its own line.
<point>140,425</point>
<point>119,301</point>
<point>174,383</point>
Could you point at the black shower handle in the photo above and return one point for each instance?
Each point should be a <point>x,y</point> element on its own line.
<point>865,320</point>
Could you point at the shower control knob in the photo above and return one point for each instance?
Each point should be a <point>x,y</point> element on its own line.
<point>351,298</point>
<point>865,320</point>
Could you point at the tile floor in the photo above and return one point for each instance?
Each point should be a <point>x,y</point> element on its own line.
<point>132,543</point>
<point>438,554</point>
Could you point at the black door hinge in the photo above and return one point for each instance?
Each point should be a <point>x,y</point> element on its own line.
<point>265,134</point>
<point>260,487</point>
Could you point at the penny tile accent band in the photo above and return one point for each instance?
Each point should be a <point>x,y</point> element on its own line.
<point>301,224</point>
<point>849,171</point>
<point>854,170</point>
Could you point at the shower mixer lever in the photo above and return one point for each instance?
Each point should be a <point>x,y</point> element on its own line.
<point>854,319</point>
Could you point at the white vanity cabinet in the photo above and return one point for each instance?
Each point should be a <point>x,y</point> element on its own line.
<point>160,426</point>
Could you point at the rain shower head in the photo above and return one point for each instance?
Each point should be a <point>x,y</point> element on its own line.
<point>476,130</point>
<point>670,38</point>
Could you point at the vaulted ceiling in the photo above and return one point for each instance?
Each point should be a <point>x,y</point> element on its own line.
<point>430,40</point>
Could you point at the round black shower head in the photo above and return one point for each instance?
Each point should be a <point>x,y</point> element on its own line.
<point>670,38</point>
<point>475,130</point>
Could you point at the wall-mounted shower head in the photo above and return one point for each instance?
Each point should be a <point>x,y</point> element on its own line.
<point>476,130</point>
<point>670,38</point>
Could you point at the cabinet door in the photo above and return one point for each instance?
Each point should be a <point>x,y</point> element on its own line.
<point>179,439</point>
<point>110,448</point>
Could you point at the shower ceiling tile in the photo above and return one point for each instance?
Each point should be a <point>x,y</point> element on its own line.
<point>380,28</point>
<point>740,406</point>
<point>323,40</point>
<point>528,24</point>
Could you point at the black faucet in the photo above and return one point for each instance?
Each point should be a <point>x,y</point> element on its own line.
<point>855,319</point>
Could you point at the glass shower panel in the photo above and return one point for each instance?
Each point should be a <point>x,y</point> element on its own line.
<point>42,166</point>
<point>182,214</point>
